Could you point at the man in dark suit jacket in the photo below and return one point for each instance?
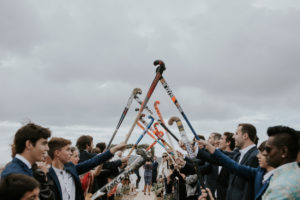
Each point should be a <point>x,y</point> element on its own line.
<point>85,145</point>
<point>64,175</point>
<point>212,174</point>
<point>240,188</point>
<point>226,144</point>
<point>30,146</point>
<point>154,169</point>
<point>245,137</point>
<point>109,168</point>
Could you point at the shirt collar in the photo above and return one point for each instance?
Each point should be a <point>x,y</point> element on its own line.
<point>58,171</point>
<point>245,150</point>
<point>267,175</point>
<point>24,160</point>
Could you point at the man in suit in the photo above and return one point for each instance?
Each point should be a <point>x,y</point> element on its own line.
<point>226,144</point>
<point>239,188</point>
<point>245,137</point>
<point>212,174</point>
<point>108,170</point>
<point>260,176</point>
<point>64,175</point>
<point>30,146</point>
<point>85,145</point>
<point>154,169</point>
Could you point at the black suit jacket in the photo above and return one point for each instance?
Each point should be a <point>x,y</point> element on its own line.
<point>222,178</point>
<point>84,155</point>
<point>240,188</point>
<point>211,178</point>
<point>75,171</point>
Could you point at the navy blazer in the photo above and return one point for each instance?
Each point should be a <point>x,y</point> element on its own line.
<point>254,175</point>
<point>240,188</point>
<point>84,155</point>
<point>75,171</point>
<point>221,183</point>
<point>16,166</point>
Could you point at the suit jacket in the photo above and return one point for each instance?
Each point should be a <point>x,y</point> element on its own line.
<point>154,168</point>
<point>84,155</point>
<point>108,169</point>
<point>75,171</point>
<point>253,175</point>
<point>211,178</point>
<point>221,183</point>
<point>16,166</point>
<point>240,188</point>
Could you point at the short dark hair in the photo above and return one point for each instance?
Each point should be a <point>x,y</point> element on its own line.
<point>101,146</point>
<point>96,150</point>
<point>73,149</point>
<point>84,140</point>
<point>217,136</point>
<point>285,136</point>
<point>31,132</point>
<point>56,144</point>
<point>14,186</point>
<point>200,137</point>
<point>250,130</point>
<point>229,138</point>
<point>262,146</point>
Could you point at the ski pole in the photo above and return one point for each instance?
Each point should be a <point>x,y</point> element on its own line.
<point>135,92</point>
<point>159,70</point>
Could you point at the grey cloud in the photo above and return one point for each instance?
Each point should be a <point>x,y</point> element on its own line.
<point>75,64</point>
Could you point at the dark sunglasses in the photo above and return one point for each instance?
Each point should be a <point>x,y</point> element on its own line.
<point>268,149</point>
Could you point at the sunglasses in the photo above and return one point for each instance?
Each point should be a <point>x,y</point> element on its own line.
<point>268,149</point>
<point>164,156</point>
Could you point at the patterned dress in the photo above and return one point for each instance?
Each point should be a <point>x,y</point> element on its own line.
<point>148,174</point>
<point>285,183</point>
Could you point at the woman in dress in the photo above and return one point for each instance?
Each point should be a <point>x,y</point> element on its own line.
<point>148,176</point>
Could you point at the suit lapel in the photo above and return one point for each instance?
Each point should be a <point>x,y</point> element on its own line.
<point>263,188</point>
<point>246,156</point>
<point>52,174</point>
<point>24,166</point>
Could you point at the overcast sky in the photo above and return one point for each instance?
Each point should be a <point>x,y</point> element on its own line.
<point>72,65</point>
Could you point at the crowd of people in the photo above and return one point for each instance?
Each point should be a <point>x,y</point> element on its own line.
<point>231,166</point>
<point>225,166</point>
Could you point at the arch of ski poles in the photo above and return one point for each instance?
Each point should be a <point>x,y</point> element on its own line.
<point>152,132</point>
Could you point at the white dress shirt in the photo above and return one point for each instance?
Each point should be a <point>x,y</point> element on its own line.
<point>26,162</point>
<point>244,151</point>
<point>67,184</point>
